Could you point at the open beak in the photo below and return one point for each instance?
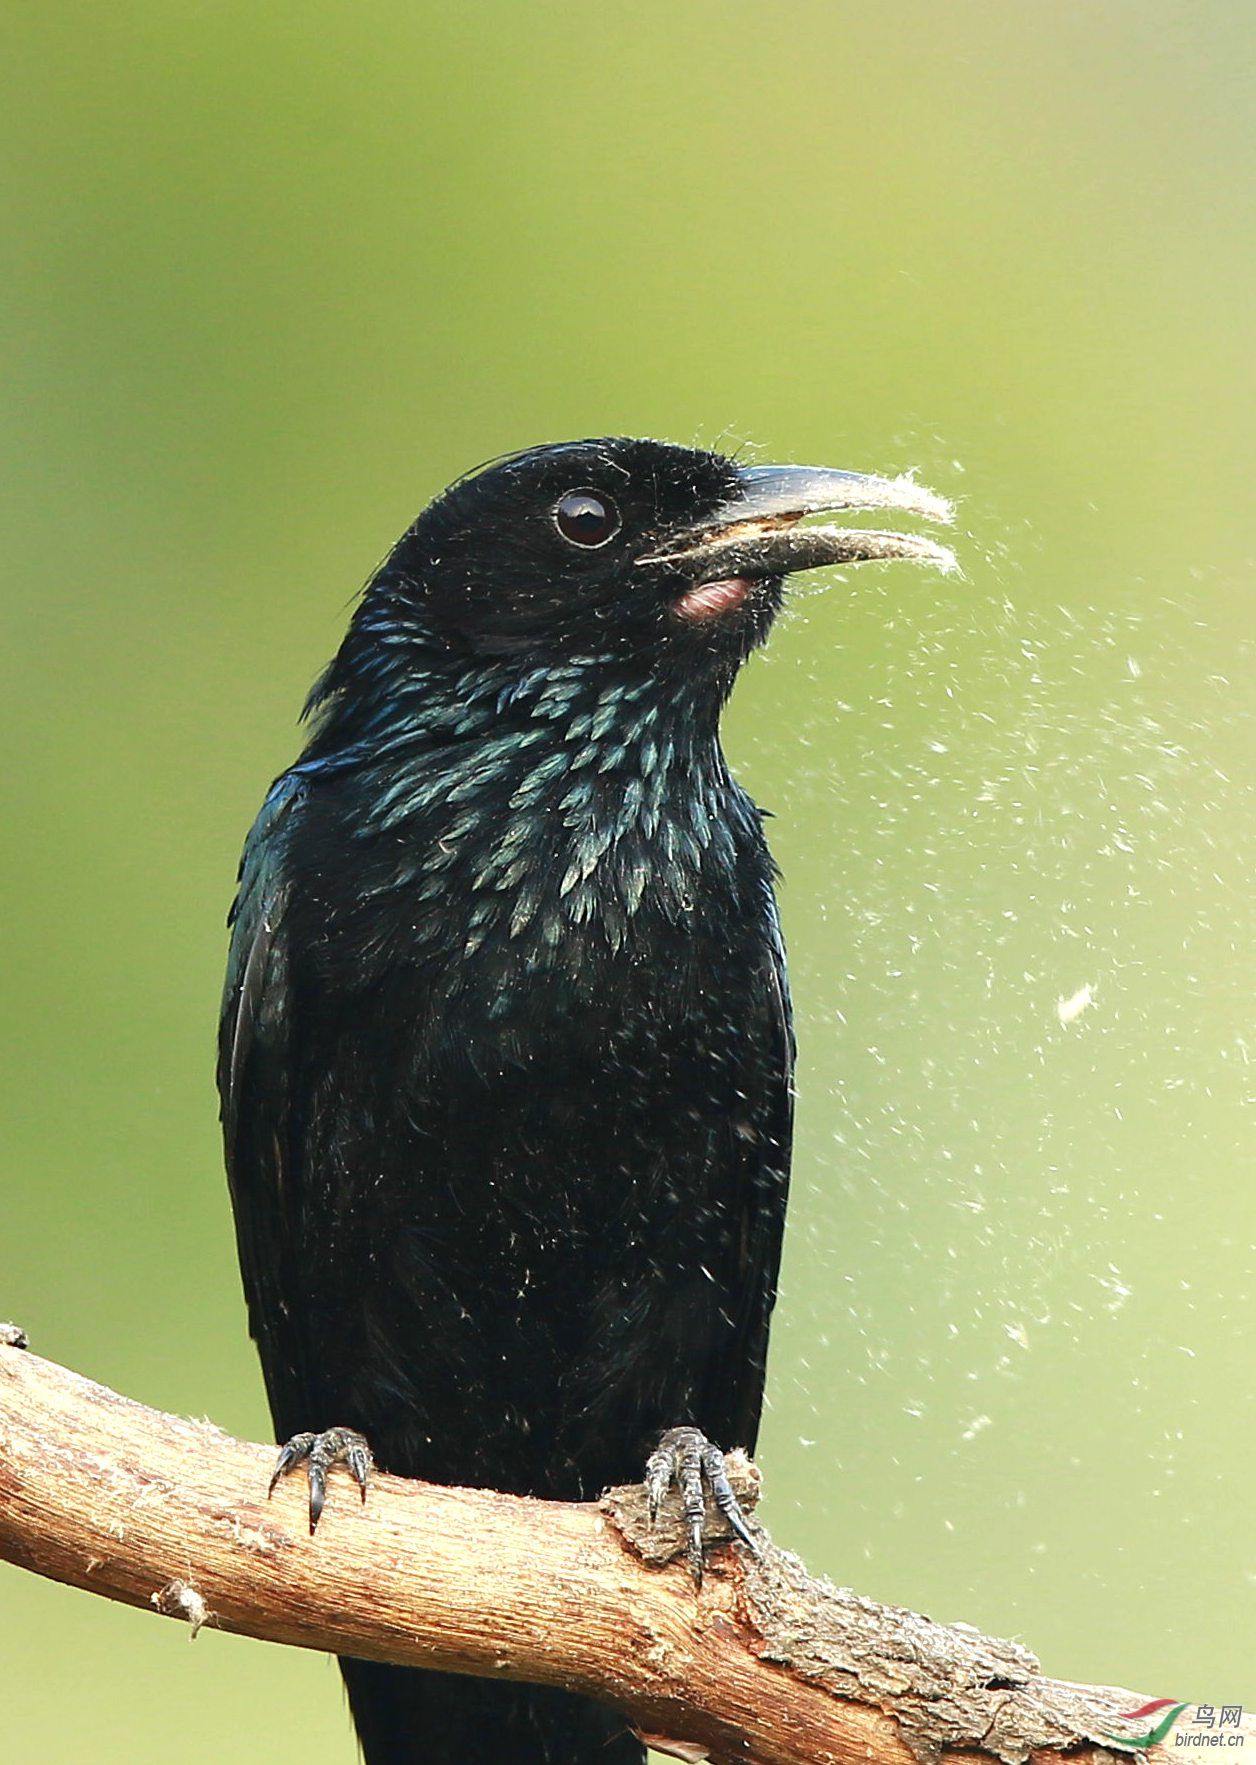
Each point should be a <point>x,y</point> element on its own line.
<point>758,533</point>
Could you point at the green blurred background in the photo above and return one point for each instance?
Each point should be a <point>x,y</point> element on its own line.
<point>271,277</point>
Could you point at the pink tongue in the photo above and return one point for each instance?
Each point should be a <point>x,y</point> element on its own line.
<point>710,599</point>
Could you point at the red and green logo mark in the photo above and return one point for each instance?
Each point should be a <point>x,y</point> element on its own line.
<point>1165,1712</point>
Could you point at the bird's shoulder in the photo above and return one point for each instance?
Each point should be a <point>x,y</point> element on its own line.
<point>253,992</point>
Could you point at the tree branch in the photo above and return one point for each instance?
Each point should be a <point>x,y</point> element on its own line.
<point>761,1665</point>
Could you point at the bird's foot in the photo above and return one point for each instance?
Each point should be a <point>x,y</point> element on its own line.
<point>686,1460</point>
<point>318,1453</point>
<point>13,1336</point>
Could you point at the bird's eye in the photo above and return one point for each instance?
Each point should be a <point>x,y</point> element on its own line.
<point>586,518</point>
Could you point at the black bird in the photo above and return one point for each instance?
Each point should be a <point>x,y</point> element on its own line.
<point>506,1049</point>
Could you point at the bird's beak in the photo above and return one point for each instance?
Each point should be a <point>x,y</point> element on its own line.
<point>757,533</point>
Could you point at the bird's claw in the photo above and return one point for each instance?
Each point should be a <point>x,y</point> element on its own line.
<point>319,1452</point>
<point>686,1460</point>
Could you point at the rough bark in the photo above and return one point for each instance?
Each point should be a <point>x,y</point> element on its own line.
<point>762,1665</point>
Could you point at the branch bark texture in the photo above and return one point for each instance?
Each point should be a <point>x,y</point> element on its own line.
<point>763,1665</point>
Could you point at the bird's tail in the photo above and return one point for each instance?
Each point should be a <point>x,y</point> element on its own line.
<point>407,1717</point>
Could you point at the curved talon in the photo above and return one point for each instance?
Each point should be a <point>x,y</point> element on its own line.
<point>319,1452</point>
<point>686,1459</point>
<point>713,1469</point>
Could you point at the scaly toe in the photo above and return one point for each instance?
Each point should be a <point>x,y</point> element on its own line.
<point>319,1452</point>
<point>690,1463</point>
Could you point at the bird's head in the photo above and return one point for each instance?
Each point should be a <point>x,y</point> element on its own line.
<point>637,546</point>
<point>639,554</point>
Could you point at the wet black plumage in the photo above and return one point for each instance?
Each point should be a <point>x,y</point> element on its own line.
<point>506,1050</point>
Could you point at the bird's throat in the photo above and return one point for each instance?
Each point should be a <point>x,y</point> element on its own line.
<point>560,809</point>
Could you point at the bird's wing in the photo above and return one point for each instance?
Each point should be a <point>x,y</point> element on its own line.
<point>763,1155</point>
<point>254,1085</point>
